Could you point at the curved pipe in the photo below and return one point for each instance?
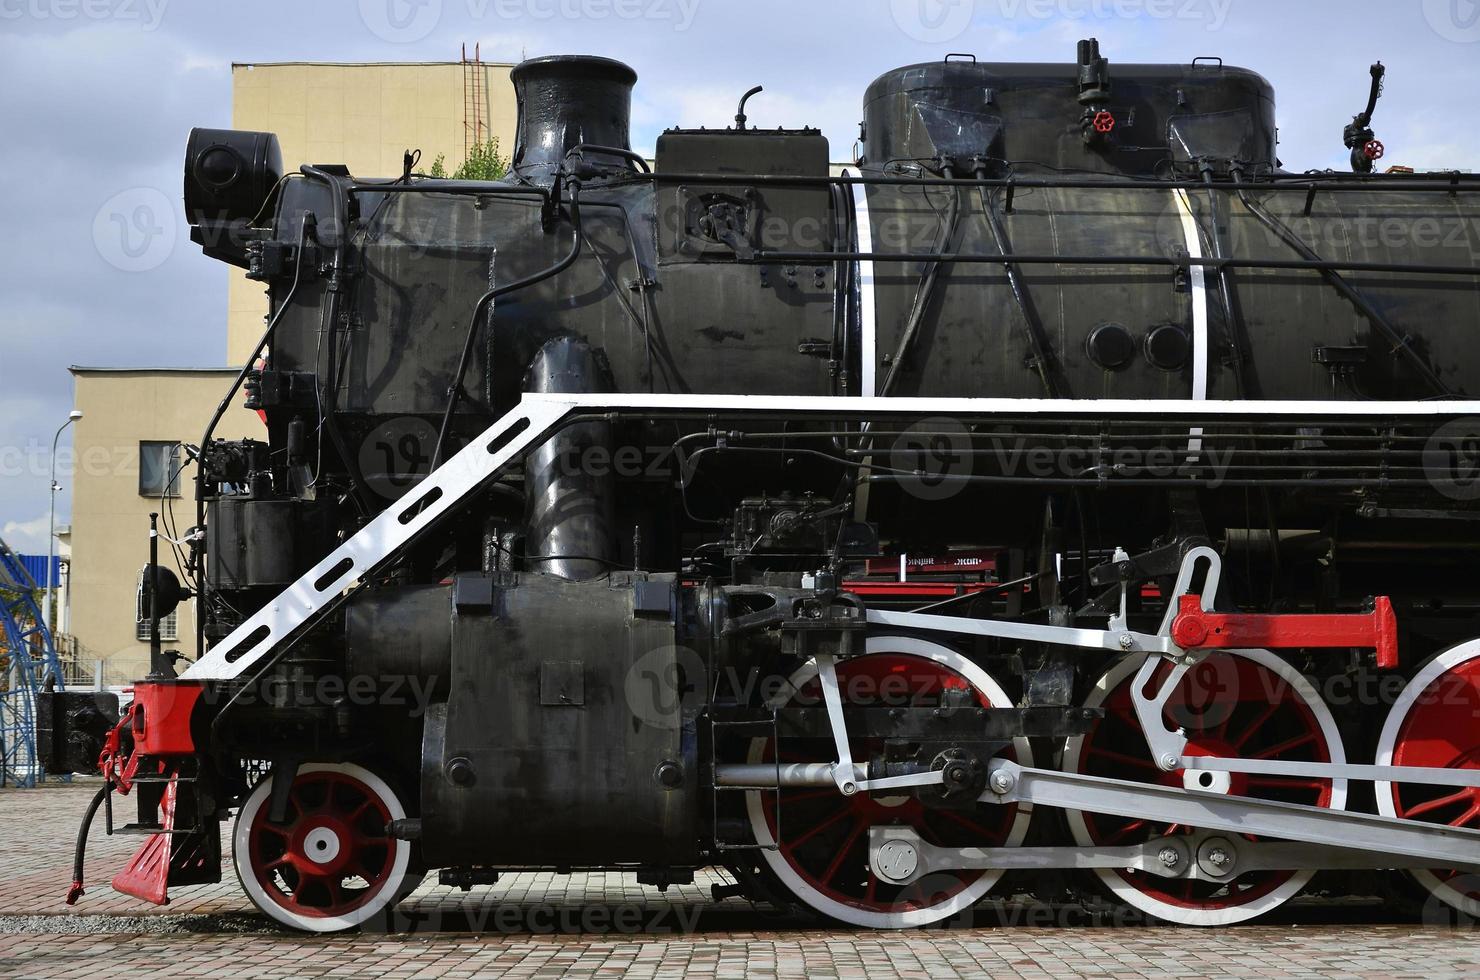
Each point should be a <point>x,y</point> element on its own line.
<point>454,391</point>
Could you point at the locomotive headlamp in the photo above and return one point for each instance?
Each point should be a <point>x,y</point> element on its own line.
<point>229,174</point>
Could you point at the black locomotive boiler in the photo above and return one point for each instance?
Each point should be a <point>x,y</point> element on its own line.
<point>1036,505</point>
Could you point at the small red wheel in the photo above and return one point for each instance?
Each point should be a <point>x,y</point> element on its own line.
<point>1432,725</point>
<point>1374,150</point>
<point>1237,703</point>
<point>1104,121</point>
<point>330,865</point>
<point>821,853</point>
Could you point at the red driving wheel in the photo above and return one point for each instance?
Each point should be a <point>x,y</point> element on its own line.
<point>330,863</point>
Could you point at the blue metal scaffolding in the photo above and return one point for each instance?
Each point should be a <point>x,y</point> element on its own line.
<point>28,662</point>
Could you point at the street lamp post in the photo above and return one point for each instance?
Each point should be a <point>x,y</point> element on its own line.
<point>51,531</point>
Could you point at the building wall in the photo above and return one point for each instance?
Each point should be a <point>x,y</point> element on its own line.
<point>365,117</point>
<point>110,519</point>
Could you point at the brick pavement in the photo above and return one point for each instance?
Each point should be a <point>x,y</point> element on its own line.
<point>596,925</point>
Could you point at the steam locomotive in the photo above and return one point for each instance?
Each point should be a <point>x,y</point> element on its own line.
<point>1062,499</point>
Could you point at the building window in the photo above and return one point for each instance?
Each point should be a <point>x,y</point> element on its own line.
<point>169,626</point>
<point>159,469</point>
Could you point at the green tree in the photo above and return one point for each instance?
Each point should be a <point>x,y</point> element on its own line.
<point>483,163</point>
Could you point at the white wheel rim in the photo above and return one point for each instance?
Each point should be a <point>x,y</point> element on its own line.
<point>907,918</point>
<point>390,890</point>
<point>1387,744</point>
<point>1125,890</point>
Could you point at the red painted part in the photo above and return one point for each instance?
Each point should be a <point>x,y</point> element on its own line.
<point>824,835</point>
<point>1194,629</point>
<point>302,882</point>
<point>1229,706</point>
<point>1104,122</point>
<point>147,875</point>
<point>914,590</point>
<point>161,726</point>
<point>1374,150</point>
<point>1439,732</point>
<point>960,561</point>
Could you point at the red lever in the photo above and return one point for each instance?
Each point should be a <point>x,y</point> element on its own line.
<point>1374,150</point>
<point>1194,629</point>
<point>1104,122</point>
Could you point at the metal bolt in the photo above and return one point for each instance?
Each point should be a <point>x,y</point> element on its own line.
<point>1169,857</point>
<point>1002,781</point>
<point>849,789</point>
<point>1126,641</point>
<point>1219,858</point>
<point>1170,762</point>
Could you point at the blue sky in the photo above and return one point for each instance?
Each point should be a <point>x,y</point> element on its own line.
<point>97,97</point>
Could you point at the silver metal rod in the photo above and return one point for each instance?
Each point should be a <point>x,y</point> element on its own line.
<point>1442,845</point>
<point>1328,770</point>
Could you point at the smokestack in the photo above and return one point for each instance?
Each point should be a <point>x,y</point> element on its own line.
<point>567,100</point>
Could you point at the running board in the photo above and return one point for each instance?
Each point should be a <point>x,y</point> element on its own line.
<point>1440,845</point>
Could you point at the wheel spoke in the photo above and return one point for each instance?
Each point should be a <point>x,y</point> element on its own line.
<point>1285,746</point>
<point>842,812</point>
<point>1436,804</point>
<point>836,864</point>
<point>1466,817</point>
<point>1255,725</point>
<point>1121,757</point>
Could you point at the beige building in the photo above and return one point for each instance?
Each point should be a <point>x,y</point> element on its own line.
<point>364,116</point>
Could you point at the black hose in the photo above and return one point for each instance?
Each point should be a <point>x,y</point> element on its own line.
<point>454,391</point>
<point>80,853</point>
<point>205,440</point>
<point>328,407</point>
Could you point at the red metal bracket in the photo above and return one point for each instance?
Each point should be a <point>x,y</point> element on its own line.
<point>1194,629</point>
<point>147,875</point>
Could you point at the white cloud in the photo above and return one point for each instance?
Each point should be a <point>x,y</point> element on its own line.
<point>27,537</point>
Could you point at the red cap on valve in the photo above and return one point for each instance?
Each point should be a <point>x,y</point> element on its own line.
<point>1104,122</point>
